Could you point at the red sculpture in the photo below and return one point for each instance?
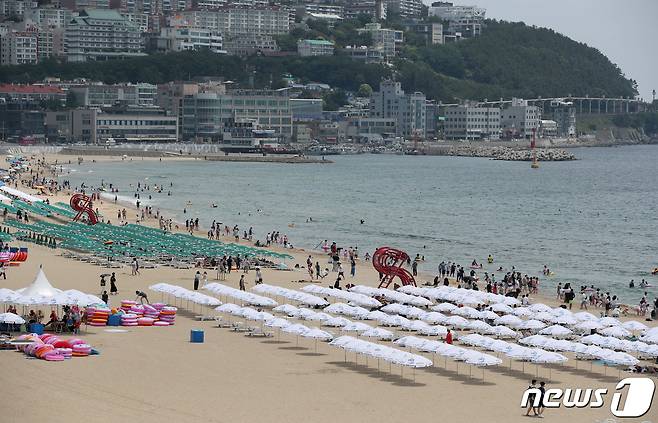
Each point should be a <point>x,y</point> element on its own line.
<point>388,262</point>
<point>82,204</point>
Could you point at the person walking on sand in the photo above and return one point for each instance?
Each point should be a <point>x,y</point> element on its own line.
<point>259,275</point>
<point>197,278</point>
<point>540,408</point>
<point>205,278</point>
<point>531,399</point>
<point>352,266</point>
<point>449,337</point>
<point>113,285</point>
<point>135,267</point>
<point>242,287</point>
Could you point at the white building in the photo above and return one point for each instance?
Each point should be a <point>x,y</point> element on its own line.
<point>407,9</point>
<point>100,35</point>
<point>519,120</point>
<point>325,9</point>
<point>49,17</point>
<point>408,110</point>
<point>388,40</point>
<point>365,53</point>
<point>238,20</point>
<point>190,38</point>
<point>472,123</point>
<point>307,48</point>
<point>136,124</point>
<point>463,21</point>
<point>19,48</point>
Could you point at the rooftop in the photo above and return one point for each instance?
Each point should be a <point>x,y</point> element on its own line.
<point>318,42</point>
<point>29,89</point>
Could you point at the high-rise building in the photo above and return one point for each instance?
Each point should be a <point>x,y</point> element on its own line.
<point>233,20</point>
<point>385,39</point>
<point>469,122</point>
<point>519,120</point>
<point>406,9</point>
<point>19,48</point>
<point>408,110</point>
<point>48,17</point>
<point>100,35</point>
<point>376,9</point>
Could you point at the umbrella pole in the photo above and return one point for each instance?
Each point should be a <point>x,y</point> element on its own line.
<point>470,371</point>
<point>316,346</point>
<point>482,374</point>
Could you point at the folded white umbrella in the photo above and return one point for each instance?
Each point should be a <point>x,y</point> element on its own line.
<point>651,338</point>
<point>286,309</point>
<point>566,319</point>
<point>480,326</point>
<point>466,311</point>
<point>376,315</point>
<point>592,339</point>
<point>522,312</point>
<point>532,325</point>
<point>503,332</point>
<point>609,321</point>
<point>229,308</point>
<point>556,331</point>
<point>502,308</point>
<point>487,315</point>
<point>539,307</point>
<point>320,317</point>
<point>621,359</point>
<point>356,327</point>
<point>295,329</point>
<point>509,320</point>
<point>415,325</point>
<point>395,308</point>
<point>549,357</point>
<point>588,325</point>
<point>414,313</point>
<point>433,330</point>
<point>612,343</point>
<point>473,339</point>
<point>434,317</point>
<point>616,331</point>
<point>316,333</point>
<point>482,360</point>
<point>378,333</point>
<point>11,318</point>
<point>585,316</point>
<point>393,321</point>
<point>456,321</point>
<point>444,307</point>
<point>634,325</point>
<point>545,317</point>
<point>305,313</point>
<point>277,322</point>
<point>337,322</point>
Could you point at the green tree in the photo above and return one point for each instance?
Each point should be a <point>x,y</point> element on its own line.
<point>333,100</point>
<point>365,90</point>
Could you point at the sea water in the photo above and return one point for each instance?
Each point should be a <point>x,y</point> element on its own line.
<point>591,221</point>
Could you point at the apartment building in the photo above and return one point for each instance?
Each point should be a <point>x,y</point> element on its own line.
<point>408,110</point>
<point>469,122</point>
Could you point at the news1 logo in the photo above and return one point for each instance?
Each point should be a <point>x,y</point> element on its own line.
<point>638,397</point>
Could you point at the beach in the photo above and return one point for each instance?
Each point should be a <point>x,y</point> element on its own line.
<point>155,374</point>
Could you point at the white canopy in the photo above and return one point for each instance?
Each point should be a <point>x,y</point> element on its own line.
<point>40,287</point>
<point>20,194</point>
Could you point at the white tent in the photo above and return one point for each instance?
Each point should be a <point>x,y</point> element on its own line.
<point>40,287</point>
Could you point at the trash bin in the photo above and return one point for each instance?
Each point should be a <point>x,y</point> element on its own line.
<point>36,328</point>
<point>196,336</point>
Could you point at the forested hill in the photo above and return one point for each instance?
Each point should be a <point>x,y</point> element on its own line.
<point>509,59</point>
<point>529,60</point>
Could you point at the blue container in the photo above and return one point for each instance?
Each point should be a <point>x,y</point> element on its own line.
<point>196,336</point>
<point>114,320</point>
<point>36,328</point>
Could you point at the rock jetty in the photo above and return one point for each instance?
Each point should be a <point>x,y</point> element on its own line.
<point>508,154</point>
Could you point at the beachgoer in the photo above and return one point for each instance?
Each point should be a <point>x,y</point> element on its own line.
<point>242,287</point>
<point>105,298</point>
<point>113,285</point>
<point>448,339</point>
<point>531,399</point>
<point>197,278</point>
<point>141,295</point>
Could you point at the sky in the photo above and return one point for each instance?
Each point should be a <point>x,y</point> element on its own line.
<point>624,30</point>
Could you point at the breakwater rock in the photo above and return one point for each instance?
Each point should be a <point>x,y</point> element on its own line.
<point>503,153</point>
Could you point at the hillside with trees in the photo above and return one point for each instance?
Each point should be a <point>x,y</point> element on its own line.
<point>509,59</point>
